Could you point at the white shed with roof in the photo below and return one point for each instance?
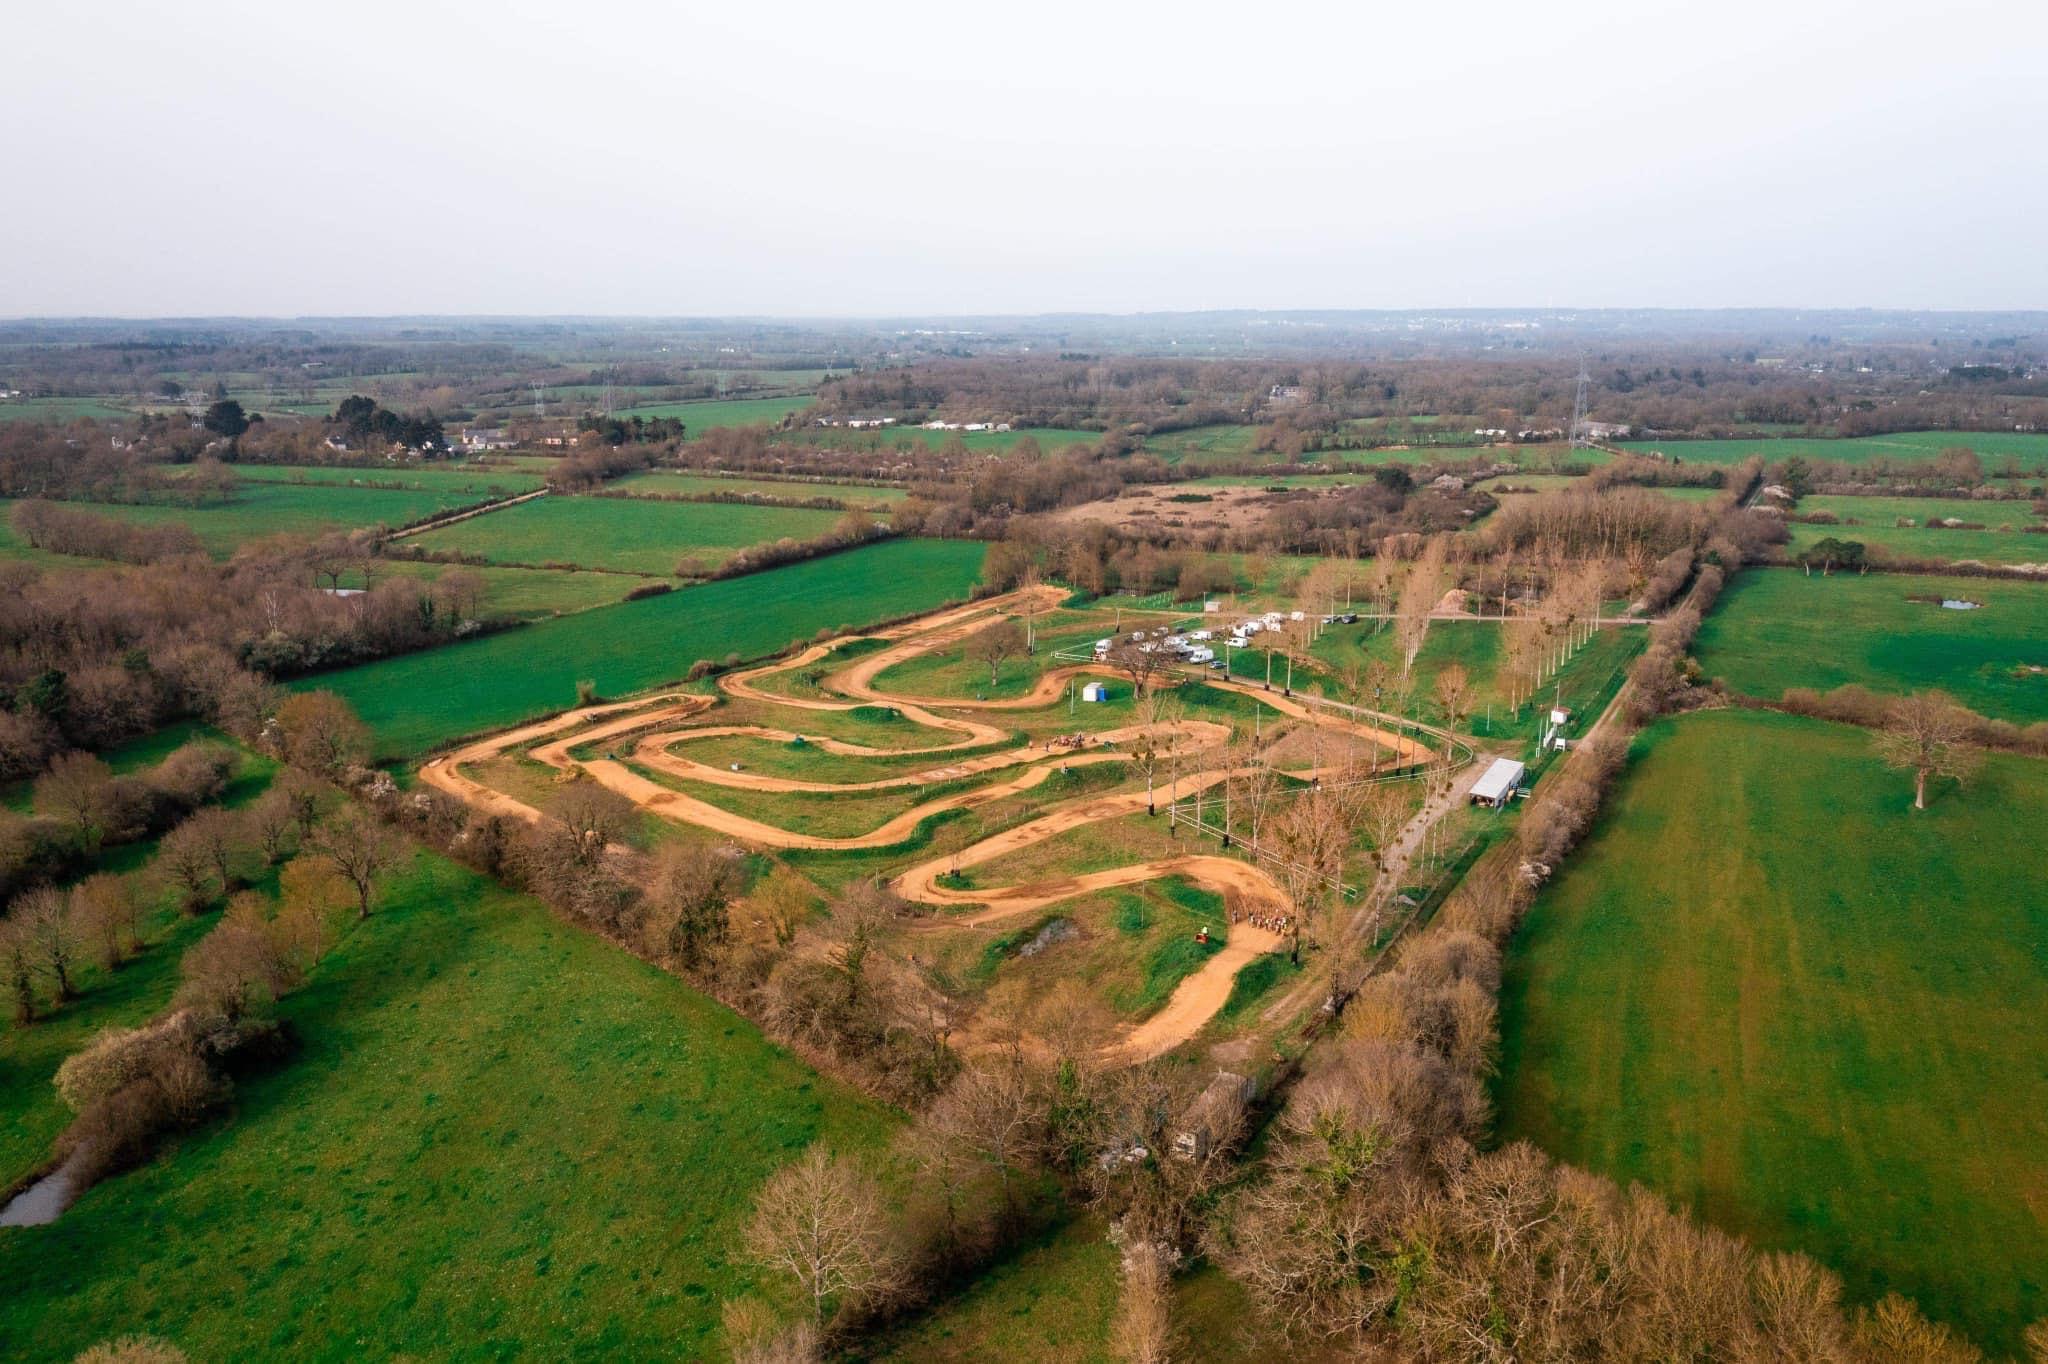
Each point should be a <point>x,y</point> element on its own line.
<point>1498,783</point>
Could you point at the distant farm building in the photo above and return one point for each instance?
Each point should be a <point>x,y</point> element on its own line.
<point>482,438</point>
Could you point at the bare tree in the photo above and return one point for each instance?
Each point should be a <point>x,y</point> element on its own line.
<point>1453,687</point>
<point>320,733</point>
<point>1155,715</point>
<point>1310,837</point>
<point>311,895</point>
<point>595,817</point>
<point>1421,590</point>
<point>270,822</point>
<point>302,797</point>
<point>689,899</point>
<point>217,833</point>
<point>462,591</point>
<point>996,646</point>
<point>1139,660</point>
<point>1142,1332</point>
<point>45,916</point>
<point>822,1221</point>
<point>361,849</point>
<point>1928,733</point>
<point>994,1109</point>
<point>79,787</point>
<point>185,861</point>
<point>107,911</point>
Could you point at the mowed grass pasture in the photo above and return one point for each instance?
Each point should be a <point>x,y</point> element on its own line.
<point>420,700</point>
<point>498,1130</point>
<point>1778,628</point>
<point>2029,449</point>
<point>622,534</point>
<point>2011,533</point>
<point>1770,990</point>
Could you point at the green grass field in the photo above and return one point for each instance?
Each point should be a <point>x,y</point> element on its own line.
<point>525,592</point>
<point>624,534</point>
<point>264,509</point>
<point>420,700</point>
<point>659,482</point>
<point>2003,541</point>
<point>699,417</point>
<point>1770,990</point>
<point>2030,450</point>
<point>1778,628</point>
<point>62,410</point>
<point>500,1134</point>
<point>457,478</point>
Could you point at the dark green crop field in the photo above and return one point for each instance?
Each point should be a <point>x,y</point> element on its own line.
<point>1778,628</point>
<point>1769,989</point>
<point>420,700</point>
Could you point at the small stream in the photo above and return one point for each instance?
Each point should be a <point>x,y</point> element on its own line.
<point>41,1202</point>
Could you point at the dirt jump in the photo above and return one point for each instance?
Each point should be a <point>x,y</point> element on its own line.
<point>660,728</point>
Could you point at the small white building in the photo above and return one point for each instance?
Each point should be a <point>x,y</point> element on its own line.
<point>1094,691</point>
<point>1497,785</point>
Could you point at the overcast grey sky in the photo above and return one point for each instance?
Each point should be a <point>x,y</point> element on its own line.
<point>881,158</point>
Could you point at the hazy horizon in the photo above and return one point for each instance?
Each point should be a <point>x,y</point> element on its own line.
<point>917,160</point>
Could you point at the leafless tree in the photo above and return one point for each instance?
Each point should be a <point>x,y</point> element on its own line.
<point>184,859</point>
<point>689,898</point>
<point>79,788</point>
<point>1928,733</point>
<point>1453,688</point>
<point>996,1110</point>
<point>320,733</point>
<point>1421,590</point>
<point>106,910</point>
<point>53,939</point>
<point>997,645</point>
<point>594,816</point>
<point>1155,716</point>
<point>823,1222</point>
<point>1136,661</point>
<point>1142,1332</point>
<point>361,850</point>
<point>270,822</point>
<point>218,834</point>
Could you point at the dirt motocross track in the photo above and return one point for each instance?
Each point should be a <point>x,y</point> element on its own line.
<point>662,724</point>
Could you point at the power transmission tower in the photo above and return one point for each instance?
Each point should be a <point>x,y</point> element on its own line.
<point>539,408</point>
<point>1578,436</point>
